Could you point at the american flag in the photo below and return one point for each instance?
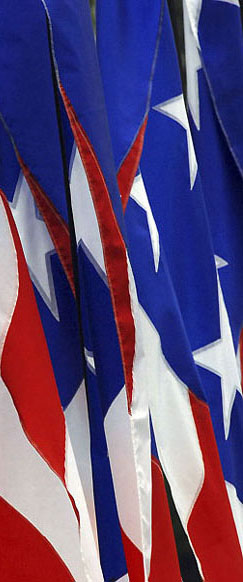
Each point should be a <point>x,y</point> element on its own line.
<point>214,57</point>
<point>60,181</point>
<point>194,381</point>
<point>120,294</point>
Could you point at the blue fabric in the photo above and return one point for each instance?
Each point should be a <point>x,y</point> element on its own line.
<point>27,99</point>
<point>79,73</point>
<point>123,30</point>
<point>28,107</point>
<point>181,298</point>
<point>219,148</point>
<point>221,41</point>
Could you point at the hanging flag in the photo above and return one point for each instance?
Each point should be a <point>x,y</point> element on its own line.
<point>126,22</point>
<point>103,261</point>
<point>54,125</point>
<point>28,122</point>
<point>120,33</point>
<point>42,501</point>
<point>214,61</point>
<point>181,304</point>
<point>47,250</point>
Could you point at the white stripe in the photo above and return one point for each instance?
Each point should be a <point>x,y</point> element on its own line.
<point>119,441</point>
<point>88,547</point>
<point>140,427</point>
<point>237,510</point>
<point>174,428</point>
<point>33,489</point>
<point>124,578</point>
<point>119,431</point>
<point>77,420</point>
<point>8,276</point>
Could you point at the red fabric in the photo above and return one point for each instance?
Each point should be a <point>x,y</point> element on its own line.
<point>26,555</point>
<point>164,564</point>
<point>164,560</point>
<point>128,169</point>
<point>134,559</point>
<point>56,226</point>
<point>27,371</point>
<point>113,247</point>
<point>211,526</point>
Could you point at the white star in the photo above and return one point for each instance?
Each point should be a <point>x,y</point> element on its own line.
<point>193,59</point>
<point>219,262</point>
<point>175,108</point>
<point>86,225</point>
<point>36,243</point>
<point>139,194</point>
<point>235,2</point>
<point>89,356</point>
<point>219,357</point>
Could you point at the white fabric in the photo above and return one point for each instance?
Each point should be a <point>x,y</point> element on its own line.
<point>118,429</point>
<point>89,554</point>
<point>139,194</point>
<point>140,428</point>
<point>175,109</point>
<point>77,421</point>
<point>85,221</point>
<point>194,10</point>
<point>175,432</point>
<point>219,357</point>
<point>36,242</point>
<point>193,65</point>
<point>234,2</point>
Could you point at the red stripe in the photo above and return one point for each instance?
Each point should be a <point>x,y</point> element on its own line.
<point>113,247</point>
<point>211,526</point>
<point>128,169</point>
<point>134,559</point>
<point>26,555</point>
<point>27,371</point>
<point>56,226</point>
<point>164,558</point>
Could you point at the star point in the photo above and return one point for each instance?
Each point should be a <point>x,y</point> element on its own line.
<point>234,2</point>
<point>37,244</point>
<point>139,194</point>
<point>175,109</point>
<point>193,58</point>
<point>220,263</point>
<point>89,356</point>
<point>219,357</point>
